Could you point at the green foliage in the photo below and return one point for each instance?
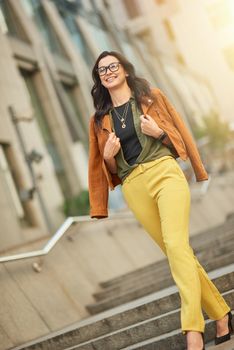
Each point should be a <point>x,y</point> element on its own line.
<point>77,205</point>
<point>218,131</point>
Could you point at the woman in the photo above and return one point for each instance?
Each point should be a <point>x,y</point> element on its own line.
<point>135,136</point>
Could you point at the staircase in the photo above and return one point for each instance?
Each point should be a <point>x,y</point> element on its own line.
<point>141,309</point>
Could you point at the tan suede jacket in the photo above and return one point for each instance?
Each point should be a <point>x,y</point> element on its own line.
<point>167,118</point>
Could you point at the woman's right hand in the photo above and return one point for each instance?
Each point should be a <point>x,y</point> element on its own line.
<point>112,146</point>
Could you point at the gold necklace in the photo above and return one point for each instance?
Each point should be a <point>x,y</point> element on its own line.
<point>122,118</point>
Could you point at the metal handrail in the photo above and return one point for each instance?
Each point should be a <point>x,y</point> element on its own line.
<point>59,234</point>
<point>69,222</point>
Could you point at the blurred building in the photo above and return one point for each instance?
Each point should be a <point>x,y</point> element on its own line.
<point>193,42</point>
<point>48,48</point>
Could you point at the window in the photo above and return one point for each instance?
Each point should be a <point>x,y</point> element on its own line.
<point>46,132</point>
<point>9,22</point>
<point>72,113</point>
<point>77,37</point>
<point>95,26</point>
<point>3,23</point>
<point>101,37</point>
<point>35,10</point>
<point>98,31</point>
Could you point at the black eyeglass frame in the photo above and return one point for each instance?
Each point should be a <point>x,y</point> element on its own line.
<point>108,67</point>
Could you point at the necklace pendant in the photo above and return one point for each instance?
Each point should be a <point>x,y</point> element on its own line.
<point>123,126</point>
<point>122,120</point>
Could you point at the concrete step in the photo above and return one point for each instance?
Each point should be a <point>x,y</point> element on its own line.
<point>137,273</point>
<point>132,335</point>
<point>173,340</point>
<point>210,260</point>
<point>207,252</point>
<point>223,260</point>
<point>214,258</point>
<point>213,233</point>
<point>135,293</point>
<point>200,242</point>
<point>139,332</point>
<point>160,309</point>
<point>109,321</point>
<point>217,248</point>
<point>150,319</point>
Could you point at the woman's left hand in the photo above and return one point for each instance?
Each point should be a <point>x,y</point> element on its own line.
<point>149,126</point>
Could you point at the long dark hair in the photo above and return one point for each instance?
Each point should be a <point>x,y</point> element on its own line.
<point>101,97</point>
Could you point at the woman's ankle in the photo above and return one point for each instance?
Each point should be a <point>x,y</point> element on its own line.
<point>222,326</point>
<point>194,340</point>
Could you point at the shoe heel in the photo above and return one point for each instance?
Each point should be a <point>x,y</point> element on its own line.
<point>230,322</point>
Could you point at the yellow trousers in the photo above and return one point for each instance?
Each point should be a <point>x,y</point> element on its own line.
<point>158,194</point>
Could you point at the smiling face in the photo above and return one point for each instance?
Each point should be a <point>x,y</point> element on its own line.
<point>115,78</point>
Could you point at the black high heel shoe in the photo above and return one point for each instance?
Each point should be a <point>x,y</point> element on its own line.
<point>226,337</point>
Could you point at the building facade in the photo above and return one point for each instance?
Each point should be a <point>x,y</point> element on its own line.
<point>48,48</point>
<point>193,40</point>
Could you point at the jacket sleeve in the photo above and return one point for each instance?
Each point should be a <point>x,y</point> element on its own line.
<point>191,147</point>
<point>98,186</point>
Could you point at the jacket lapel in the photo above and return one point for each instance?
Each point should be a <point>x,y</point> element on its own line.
<point>146,105</point>
<point>106,123</point>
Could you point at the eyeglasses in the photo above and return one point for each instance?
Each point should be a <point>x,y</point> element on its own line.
<point>113,67</point>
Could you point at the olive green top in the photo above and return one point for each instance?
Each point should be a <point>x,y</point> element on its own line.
<point>151,147</point>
